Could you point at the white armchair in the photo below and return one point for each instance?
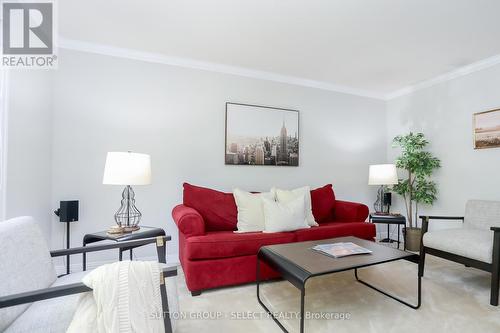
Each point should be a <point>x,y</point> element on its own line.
<point>32,297</point>
<point>476,243</point>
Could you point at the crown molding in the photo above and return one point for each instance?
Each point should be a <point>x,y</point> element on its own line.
<point>462,71</point>
<point>82,46</point>
<point>77,45</point>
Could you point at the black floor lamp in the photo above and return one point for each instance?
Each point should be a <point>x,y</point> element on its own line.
<point>67,212</point>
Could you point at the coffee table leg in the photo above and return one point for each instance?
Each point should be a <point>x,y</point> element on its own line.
<point>302,305</point>
<point>302,302</point>
<point>419,291</point>
<point>84,259</point>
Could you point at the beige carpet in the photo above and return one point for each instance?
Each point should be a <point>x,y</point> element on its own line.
<point>455,299</point>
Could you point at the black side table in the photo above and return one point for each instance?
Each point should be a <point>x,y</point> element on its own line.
<point>389,219</point>
<point>143,232</point>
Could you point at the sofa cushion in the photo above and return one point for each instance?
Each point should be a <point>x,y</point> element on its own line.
<point>228,244</point>
<point>466,242</point>
<point>362,230</point>
<point>250,210</point>
<point>218,209</point>
<point>284,196</point>
<point>323,203</point>
<point>287,216</point>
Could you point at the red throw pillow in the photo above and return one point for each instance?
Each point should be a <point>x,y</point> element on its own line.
<point>323,203</point>
<point>218,209</point>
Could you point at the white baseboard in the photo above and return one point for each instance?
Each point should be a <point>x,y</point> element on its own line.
<point>172,259</point>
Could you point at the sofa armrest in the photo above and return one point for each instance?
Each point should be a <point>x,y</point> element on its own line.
<point>188,220</point>
<point>350,211</point>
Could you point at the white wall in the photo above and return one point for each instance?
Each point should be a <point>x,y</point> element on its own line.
<point>444,114</point>
<point>106,104</point>
<point>29,146</point>
<point>62,123</point>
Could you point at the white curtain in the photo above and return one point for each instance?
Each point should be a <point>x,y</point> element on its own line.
<point>3,138</point>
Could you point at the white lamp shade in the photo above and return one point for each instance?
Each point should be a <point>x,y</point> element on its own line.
<point>127,169</point>
<point>383,174</point>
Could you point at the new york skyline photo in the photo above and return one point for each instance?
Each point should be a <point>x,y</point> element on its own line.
<point>258,135</point>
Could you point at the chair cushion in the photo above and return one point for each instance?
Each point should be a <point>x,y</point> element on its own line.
<point>25,263</point>
<point>363,230</point>
<point>218,209</point>
<point>482,214</point>
<point>466,242</point>
<point>70,278</point>
<point>226,244</point>
<point>51,315</point>
<point>323,203</point>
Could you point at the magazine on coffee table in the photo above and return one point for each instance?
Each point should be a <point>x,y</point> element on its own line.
<point>339,250</point>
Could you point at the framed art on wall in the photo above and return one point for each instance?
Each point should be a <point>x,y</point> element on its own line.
<point>261,135</point>
<point>487,129</point>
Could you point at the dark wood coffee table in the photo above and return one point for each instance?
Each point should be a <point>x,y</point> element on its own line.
<point>297,262</point>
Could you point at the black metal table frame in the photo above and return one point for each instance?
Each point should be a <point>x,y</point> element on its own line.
<point>390,221</point>
<point>301,285</point>
<point>92,238</point>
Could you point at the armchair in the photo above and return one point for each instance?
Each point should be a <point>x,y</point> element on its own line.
<point>30,287</point>
<point>476,243</point>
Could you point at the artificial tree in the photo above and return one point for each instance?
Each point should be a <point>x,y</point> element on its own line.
<point>419,164</point>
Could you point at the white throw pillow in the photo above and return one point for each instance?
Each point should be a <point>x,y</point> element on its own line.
<point>250,211</point>
<point>284,216</point>
<point>284,196</point>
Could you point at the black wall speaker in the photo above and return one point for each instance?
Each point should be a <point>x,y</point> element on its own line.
<point>388,198</point>
<point>68,211</point>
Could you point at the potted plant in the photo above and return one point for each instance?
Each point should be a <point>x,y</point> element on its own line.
<point>417,187</point>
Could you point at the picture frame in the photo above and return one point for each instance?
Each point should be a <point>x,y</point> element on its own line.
<point>261,135</point>
<point>486,129</point>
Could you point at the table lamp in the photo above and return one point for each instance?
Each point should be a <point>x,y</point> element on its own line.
<point>127,168</point>
<point>383,175</point>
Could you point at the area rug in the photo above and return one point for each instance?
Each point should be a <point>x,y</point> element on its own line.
<point>454,299</point>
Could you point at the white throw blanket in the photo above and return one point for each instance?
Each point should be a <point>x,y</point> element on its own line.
<point>125,298</point>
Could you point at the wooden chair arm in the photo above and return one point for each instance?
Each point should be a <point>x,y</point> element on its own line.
<point>41,294</point>
<point>427,218</point>
<point>430,217</point>
<point>59,291</point>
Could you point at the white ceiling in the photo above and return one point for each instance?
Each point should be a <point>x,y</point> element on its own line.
<point>375,46</point>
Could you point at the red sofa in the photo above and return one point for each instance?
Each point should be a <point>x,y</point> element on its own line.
<point>212,255</point>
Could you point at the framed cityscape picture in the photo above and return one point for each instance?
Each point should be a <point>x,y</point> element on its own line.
<point>487,129</point>
<point>261,135</point>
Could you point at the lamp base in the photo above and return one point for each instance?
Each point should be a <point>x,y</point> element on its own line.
<point>131,229</point>
<point>128,216</point>
<point>116,229</point>
<point>379,204</point>
<point>382,205</point>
